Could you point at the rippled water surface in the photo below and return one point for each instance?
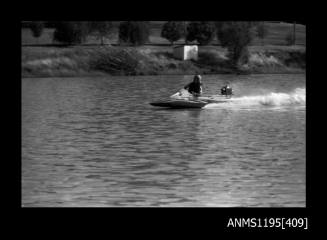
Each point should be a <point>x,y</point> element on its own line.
<point>97,142</point>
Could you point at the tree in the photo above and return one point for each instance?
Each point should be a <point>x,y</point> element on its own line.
<point>203,32</point>
<point>262,31</point>
<point>124,32</point>
<point>289,38</point>
<point>294,32</point>
<point>136,33</point>
<point>71,32</point>
<point>235,36</point>
<point>37,28</point>
<point>173,31</point>
<point>100,29</point>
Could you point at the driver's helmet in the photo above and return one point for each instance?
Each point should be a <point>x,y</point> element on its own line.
<point>197,78</point>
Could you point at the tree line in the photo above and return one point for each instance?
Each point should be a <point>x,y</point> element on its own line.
<point>233,35</point>
<point>132,32</point>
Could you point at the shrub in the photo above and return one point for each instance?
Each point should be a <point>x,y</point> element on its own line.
<point>37,28</point>
<point>209,58</point>
<point>136,33</point>
<point>203,32</point>
<point>116,61</point>
<point>235,36</point>
<point>100,29</point>
<point>173,31</point>
<point>71,32</point>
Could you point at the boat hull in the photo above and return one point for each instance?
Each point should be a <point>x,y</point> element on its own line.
<point>215,99</point>
<point>179,104</point>
<point>187,102</point>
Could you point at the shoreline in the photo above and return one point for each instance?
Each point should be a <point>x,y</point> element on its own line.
<point>96,75</point>
<point>152,61</point>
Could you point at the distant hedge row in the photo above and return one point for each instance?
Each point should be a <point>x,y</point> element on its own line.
<point>235,36</point>
<point>137,33</point>
<point>47,24</point>
<point>51,24</point>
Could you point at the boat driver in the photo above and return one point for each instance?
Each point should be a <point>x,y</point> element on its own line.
<point>195,87</point>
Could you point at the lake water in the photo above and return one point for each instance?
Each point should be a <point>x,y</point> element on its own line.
<point>96,141</point>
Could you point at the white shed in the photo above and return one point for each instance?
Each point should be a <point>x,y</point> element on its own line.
<point>186,52</point>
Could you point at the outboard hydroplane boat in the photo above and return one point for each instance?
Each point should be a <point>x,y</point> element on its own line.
<point>183,99</point>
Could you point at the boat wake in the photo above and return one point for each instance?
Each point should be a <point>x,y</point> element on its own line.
<point>273,99</point>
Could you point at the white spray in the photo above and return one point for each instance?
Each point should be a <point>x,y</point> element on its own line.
<point>296,97</point>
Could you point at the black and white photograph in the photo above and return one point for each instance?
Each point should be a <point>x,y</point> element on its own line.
<point>163,114</point>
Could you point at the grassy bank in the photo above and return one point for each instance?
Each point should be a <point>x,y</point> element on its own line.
<point>153,60</point>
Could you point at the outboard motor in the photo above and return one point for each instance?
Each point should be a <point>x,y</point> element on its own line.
<point>226,91</point>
